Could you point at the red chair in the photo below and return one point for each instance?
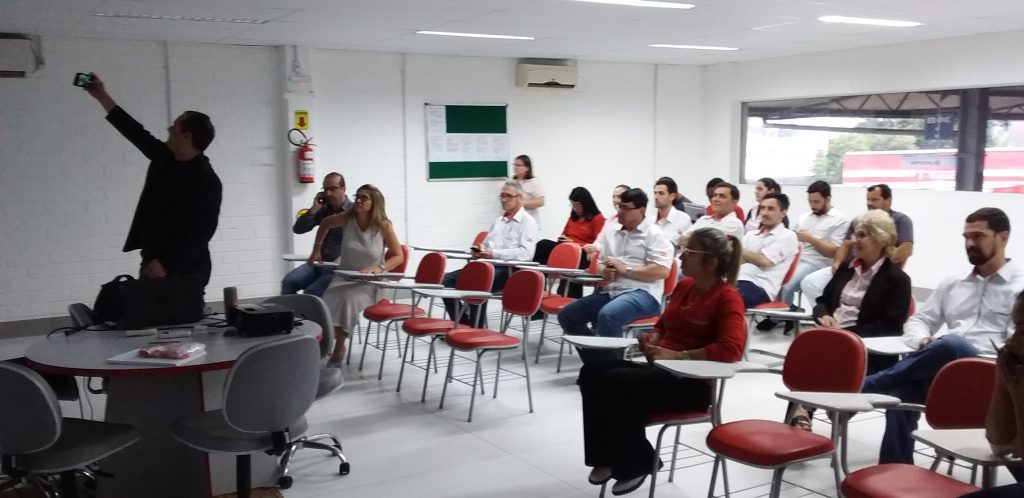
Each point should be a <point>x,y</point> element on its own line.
<point>479,239</point>
<point>958,398</point>
<point>819,360</point>
<point>521,298</point>
<point>551,305</point>
<point>429,272</point>
<point>565,255</point>
<point>475,276</point>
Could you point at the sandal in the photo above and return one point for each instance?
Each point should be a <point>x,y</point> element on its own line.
<point>801,422</point>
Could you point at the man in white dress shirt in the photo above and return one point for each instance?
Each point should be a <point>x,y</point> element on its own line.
<point>512,237</point>
<point>767,253</point>
<point>673,222</point>
<point>963,317</point>
<point>723,213</point>
<point>634,261</point>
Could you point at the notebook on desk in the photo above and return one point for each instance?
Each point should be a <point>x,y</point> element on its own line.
<point>132,358</point>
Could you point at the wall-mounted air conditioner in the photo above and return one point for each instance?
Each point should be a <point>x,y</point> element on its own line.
<point>547,73</point>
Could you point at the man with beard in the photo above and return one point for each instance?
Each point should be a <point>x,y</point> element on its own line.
<point>976,311</point>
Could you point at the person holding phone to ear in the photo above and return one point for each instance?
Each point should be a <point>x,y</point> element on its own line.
<point>179,207</point>
<point>330,200</point>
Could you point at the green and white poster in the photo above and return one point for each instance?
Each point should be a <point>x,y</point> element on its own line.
<point>467,142</point>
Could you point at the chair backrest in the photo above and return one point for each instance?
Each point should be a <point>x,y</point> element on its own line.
<point>792,265</point>
<point>594,258</point>
<point>960,394</point>
<point>523,293</point>
<point>312,308</point>
<point>475,276</point>
<point>565,255</point>
<point>405,259</point>
<point>479,239</point>
<point>272,385</point>
<point>671,280</point>
<point>81,315</point>
<point>431,268</point>
<point>30,418</point>
<point>825,360</point>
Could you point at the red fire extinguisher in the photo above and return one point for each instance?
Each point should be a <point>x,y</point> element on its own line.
<point>304,167</point>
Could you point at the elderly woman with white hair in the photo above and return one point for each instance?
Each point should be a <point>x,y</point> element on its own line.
<point>869,297</point>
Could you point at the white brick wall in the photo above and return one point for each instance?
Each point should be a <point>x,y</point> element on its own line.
<point>69,182</point>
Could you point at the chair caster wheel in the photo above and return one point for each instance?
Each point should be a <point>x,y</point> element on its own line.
<point>344,468</point>
<point>285,482</point>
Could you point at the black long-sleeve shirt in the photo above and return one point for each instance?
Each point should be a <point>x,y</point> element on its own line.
<point>180,203</point>
<point>331,248</point>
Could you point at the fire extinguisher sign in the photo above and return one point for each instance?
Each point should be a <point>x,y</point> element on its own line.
<point>302,120</point>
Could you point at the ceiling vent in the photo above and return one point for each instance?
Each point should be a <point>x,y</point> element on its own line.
<point>19,55</point>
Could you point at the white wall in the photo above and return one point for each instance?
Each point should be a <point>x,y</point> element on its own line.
<point>69,182</point>
<point>977,61</point>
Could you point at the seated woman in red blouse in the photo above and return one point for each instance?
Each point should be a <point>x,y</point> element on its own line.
<point>704,321</point>
<point>584,224</point>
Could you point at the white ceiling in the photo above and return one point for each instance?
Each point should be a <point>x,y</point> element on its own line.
<point>563,28</point>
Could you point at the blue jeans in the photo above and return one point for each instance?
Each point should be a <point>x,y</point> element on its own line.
<point>909,380</point>
<point>802,270</point>
<point>608,315</point>
<point>752,294</point>
<point>307,278</point>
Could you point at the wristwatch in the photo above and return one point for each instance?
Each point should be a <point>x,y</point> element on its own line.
<point>629,270</point>
<point>382,267</point>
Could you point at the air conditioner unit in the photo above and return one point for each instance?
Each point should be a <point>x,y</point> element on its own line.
<point>547,74</point>
<point>18,56</point>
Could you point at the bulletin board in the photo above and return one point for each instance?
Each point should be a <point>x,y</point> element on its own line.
<point>466,142</point>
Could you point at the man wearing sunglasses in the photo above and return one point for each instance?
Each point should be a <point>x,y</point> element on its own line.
<point>330,200</point>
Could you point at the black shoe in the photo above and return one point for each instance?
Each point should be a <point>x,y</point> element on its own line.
<point>766,325</point>
<point>790,325</point>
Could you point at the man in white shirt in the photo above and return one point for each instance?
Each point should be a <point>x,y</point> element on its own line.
<point>723,213</point>
<point>821,232</point>
<point>767,253</point>
<point>673,222</point>
<point>634,261</point>
<point>512,237</point>
<point>612,223</point>
<point>963,317</point>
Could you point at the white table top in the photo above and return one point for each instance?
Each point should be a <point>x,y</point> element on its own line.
<point>356,274</point>
<point>781,314</point>
<point>326,264</point>
<point>845,402</point>
<point>453,293</point>
<point>85,353</point>
<point>455,255</point>
<point>698,369</point>
<point>502,262</point>
<point>592,342</point>
<point>583,278</point>
<point>294,257</point>
<point>969,445</point>
<point>438,249</point>
<point>552,269</point>
<point>887,345</point>
<point>408,285</point>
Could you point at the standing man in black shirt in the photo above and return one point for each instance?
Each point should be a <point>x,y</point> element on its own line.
<point>180,202</point>
<point>332,200</point>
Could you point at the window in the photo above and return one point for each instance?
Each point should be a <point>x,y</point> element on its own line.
<point>939,140</point>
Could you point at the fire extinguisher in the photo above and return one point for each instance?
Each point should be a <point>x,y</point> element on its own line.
<point>304,168</point>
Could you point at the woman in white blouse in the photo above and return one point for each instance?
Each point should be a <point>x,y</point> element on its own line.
<point>533,193</point>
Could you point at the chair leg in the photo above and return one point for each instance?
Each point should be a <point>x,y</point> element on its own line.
<point>426,371</point>
<point>384,350</point>
<point>675,454</point>
<point>540,343</point>
<point>447,378</point>
<point>714,477</point>
<point>366,342</point>
<point>401,370</point>
<point>243,475</point>
<point>776,483</point>
<point>561,351</point>
<point>351,342</point>
<point>286,459</point>
<point>725,477</point>
<point>497,375</point>
<point>657,460</point>
<point>529,392</point>
<point>477,374</point>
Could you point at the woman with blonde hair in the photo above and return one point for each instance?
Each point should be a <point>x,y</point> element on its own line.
<point>367,231</point>
<point>869,297</point>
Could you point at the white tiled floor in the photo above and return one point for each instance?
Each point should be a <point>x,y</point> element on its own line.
<point>399,447</point>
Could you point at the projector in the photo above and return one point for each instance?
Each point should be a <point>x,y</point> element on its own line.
<point>254,320</point>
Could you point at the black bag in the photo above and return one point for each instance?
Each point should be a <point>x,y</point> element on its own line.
<point>109,306</point>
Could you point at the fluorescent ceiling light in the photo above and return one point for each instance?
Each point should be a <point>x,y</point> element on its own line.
<point>181,18</point>
<point>691,47</point>
<point>644,3</point>
<point>475,35</point>
<point>871,22</point>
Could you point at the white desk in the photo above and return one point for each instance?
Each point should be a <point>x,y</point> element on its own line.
<point>358,275</point>
<point>404,285</point>
<point>441,250</point>
<point>502,262</point>
<point>699,369</point>
<point>592,342</point>
<point>968,445</point>
<point>843,402</point>
<point>892,346</point>
<point>150,398</point>
<point>295,257</point>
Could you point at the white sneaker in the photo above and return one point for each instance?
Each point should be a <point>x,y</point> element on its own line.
<point>600,475</point>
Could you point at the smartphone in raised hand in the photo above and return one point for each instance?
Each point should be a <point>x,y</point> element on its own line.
<point>82,80</point>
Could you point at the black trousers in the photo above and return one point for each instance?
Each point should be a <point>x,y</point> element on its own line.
<point>541,255</point>
<point>618,398</point>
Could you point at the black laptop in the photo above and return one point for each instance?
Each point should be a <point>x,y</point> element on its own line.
<point>176,300</point>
